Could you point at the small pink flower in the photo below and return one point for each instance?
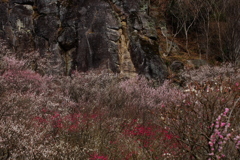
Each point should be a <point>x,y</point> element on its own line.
<point>228,125</point>
<point>210,143</point>
<point>226,110</point>
<point>220,149</point>
<point>223,124</point>
<point>211,154</point>
<point>211,125</point>
<point>218,132</point>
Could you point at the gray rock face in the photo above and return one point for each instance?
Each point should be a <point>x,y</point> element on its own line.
<point>3,17</point>
<point>19,26</point>
<point>177,66</point>
<point>117,35</point>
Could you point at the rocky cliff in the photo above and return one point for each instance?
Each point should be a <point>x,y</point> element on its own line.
<point>118,35</point>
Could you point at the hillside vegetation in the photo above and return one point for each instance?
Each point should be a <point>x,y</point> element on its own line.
<point>101,116</point>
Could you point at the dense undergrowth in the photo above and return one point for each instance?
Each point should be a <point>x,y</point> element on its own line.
<point>101,117</point>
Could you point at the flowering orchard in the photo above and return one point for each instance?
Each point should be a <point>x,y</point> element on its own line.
<point>102,117</point>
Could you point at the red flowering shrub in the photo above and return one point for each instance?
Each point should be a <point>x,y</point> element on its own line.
<point>98,157</point>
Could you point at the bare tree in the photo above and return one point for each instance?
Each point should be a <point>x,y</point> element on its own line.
<point>184,14</point>
<point>225,14</point>
<point>232,32</point>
